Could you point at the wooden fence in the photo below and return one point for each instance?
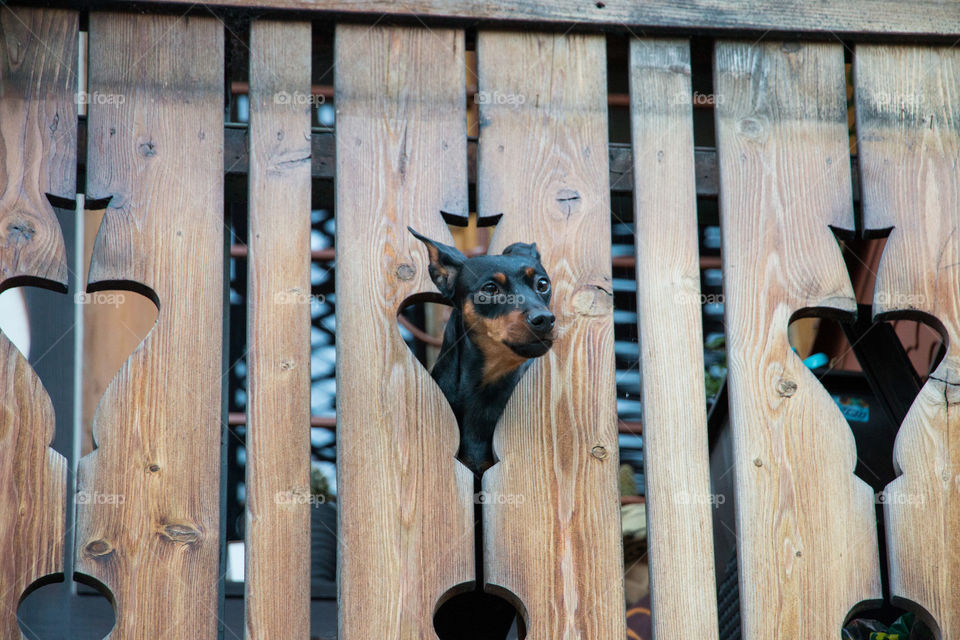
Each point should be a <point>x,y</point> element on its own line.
<point>807,541</point>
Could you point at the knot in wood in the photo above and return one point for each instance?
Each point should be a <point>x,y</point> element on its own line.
<point>786,388</point>
<point>180,532</point>
<point>147,149</point>
<point>592,300</point>
<point>949,383</point>
<point>98,548</point>
<point>20,231</point>
<point>406,271</point>
<point>752,128</point>
<point>569,201</point>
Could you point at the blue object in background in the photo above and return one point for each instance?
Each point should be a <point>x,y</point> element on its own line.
<point>816,361</point>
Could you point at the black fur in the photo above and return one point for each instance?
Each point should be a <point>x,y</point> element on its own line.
<point>479,397</point>
<point>460,368</point>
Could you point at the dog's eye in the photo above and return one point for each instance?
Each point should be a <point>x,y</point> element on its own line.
<point>543,285</point>
<point>490,289</point>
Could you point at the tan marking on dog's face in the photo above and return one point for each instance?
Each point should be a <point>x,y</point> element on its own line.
<point>500,277</point>
<point>489,335</point>
<point>530,271</point>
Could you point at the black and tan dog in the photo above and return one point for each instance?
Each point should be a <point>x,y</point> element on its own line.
<point>500,320</point>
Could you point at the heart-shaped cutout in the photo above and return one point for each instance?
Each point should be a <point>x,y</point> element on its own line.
<point>118,317</point>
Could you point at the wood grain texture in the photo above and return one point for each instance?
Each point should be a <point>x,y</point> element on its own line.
<point>807,542</point>
<point>153,538</point>
<point>551,525</point>
<point>405,503</point>
<point>112,328</point>
<point>621,162</point>
<point>38,139</point>
<point>858,17</point>
<point>37,156</point>
<point>278,329</point>
<point>33,485</point>
<point>908,130</point>
<point>677,469</point>
<point>621,159</point>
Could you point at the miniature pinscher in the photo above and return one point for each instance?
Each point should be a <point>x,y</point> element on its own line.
<point>500,320</point>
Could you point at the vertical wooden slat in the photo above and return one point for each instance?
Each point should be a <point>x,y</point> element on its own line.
<point>38,64</point>
<point>149,529</point>
<point>807,543</point>
<point>278,307</point>
<point>683,593</point>
<point>908,134</point>
<point>405,503</point>
<point>38,138</point>
<point>551,527</point>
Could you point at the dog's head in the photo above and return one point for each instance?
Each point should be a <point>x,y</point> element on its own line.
<point>504,299</point>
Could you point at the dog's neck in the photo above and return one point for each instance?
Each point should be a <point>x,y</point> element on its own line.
<point>477,405</point>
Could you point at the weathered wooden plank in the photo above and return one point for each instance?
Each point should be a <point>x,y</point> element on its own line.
<point>108,347</point>
<point>38,138</point>
<point>908,133</point>
<point>807,543</point>
<point>278,308</point>
<point>683,597</point>
<point>829,17</point>
<point>33,478</point>
<point>236,160</point>
<point>551,527</point>
<point>38,66</point>
<point>156,149</point>
<point>406,509</point>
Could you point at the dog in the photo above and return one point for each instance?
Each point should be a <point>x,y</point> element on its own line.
<point>501,320</point>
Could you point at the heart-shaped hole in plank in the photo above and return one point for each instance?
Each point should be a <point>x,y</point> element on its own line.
<point>500,322</point>
<point>117,317</point>
<point>40,324</point>
<point>894,355</point>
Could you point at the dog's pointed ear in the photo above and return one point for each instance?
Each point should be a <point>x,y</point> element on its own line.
<point>523,249</point>
<point>445,263</point>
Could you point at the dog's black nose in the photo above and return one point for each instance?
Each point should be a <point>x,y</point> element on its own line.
<point>541,321</point>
